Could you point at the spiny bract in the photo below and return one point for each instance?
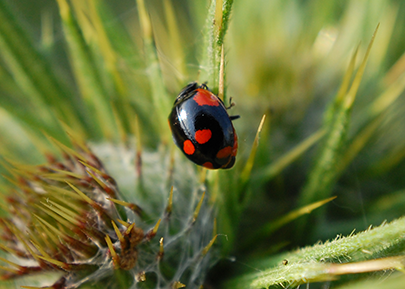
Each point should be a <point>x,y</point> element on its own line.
<point>85,225</point>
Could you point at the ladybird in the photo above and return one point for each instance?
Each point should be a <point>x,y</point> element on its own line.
<point>202,128</point>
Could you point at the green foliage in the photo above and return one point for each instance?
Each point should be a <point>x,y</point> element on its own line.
<point>106,72</point>
<point>321,261</point>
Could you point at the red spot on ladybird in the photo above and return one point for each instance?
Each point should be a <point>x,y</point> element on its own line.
<point>235,144</point>
<point>208,165</point>
<point>224,153</point>
<point>203,135</point>
<point>188,147</point>
<point>205,97</point>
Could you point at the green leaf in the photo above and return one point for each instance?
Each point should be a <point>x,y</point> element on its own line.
<point>86,73</point>
<point>216,26</point>
<point>321,262</point>
<point>324,174</point>
<point>42,95</point>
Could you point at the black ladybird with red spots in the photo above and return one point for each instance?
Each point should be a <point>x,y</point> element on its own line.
<point>202,128</point>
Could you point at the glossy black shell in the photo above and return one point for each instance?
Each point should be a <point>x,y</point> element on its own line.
<point>187,117</point>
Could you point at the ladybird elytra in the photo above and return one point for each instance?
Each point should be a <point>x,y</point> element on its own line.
<point>202,128</point>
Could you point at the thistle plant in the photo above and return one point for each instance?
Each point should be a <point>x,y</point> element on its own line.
<point>145,224</point>
<point>96,195</point>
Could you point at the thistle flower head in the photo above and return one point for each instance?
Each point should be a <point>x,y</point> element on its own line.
<point>69,217</point>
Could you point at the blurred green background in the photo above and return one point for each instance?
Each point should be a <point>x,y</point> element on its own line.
<point>284,59</point>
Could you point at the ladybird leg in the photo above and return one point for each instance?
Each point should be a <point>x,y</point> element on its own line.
<point>231,104</point>
<point>232,117</point>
